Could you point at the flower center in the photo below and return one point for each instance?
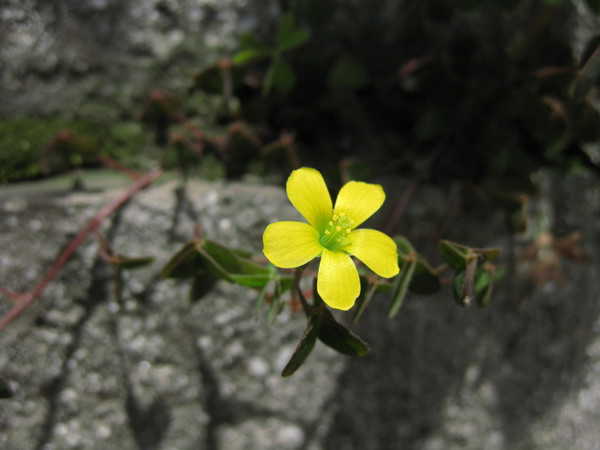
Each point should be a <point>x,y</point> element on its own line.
<point>336,231</point>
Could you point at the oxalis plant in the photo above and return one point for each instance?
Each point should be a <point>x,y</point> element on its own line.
<point>332,235</point>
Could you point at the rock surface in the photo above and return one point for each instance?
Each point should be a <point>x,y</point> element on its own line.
<point>161,373</point>
<point>99,59</point>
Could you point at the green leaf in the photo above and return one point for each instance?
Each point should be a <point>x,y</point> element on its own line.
<point>231,261</point>
<point>304,347</point>
<point>294,39</point>
<point>588,76</point>
<point>248,55</point>
<point>401,287</point>
<point>248,41</point>
<point>484,284</point>
<point>594,5</point>
<point>286,27</point>
<point>126,263</point>
<point>454,254</point>
<point>252,281</point>
<point>201,285</point>
<point>186,263</point>
<point>404,246</point>
<point>342,340</point>
<point>347,74</point>
<point>280,76</point>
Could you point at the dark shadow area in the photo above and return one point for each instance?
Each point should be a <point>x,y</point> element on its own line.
<point>529,344</point>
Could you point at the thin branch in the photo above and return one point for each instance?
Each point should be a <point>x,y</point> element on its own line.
<point>29,298</point>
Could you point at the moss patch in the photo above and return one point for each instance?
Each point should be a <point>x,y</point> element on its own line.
<point>23,141</point>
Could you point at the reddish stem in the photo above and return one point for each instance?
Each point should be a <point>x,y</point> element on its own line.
<point>183,120</point>
<point>28,299</point>
<point>113,164</point>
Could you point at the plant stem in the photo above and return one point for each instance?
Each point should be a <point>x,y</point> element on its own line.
<point>27,299</point>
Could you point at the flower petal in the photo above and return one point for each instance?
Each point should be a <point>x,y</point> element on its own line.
<point>290,244</point>
<point>338,283</point>
<point>308,192</point>
<point>375,249</point>
<point>359,200</point>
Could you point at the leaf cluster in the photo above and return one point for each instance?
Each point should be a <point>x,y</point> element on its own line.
<point>480,91</point>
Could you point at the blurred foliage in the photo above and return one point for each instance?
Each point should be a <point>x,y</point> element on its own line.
<point>473,90</point>
<point>33,147</point>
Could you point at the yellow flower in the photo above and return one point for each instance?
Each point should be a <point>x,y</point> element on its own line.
<point>331,234</point>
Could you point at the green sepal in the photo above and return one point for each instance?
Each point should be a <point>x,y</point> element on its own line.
<point>304,347</point>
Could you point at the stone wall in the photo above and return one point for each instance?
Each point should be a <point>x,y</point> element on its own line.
<point>98,59</point>
<point>161,373</point>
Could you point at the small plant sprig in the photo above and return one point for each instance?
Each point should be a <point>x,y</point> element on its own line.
<point>333,236</point>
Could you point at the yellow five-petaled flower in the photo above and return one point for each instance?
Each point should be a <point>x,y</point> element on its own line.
<point>331,234</point>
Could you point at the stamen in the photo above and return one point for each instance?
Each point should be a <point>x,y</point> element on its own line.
<point>334,234</point>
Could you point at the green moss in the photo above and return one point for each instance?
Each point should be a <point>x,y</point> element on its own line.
<point>23,141</point>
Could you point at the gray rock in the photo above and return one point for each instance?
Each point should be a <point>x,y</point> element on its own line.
<point>97,59</point>
<point>157,372</point>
